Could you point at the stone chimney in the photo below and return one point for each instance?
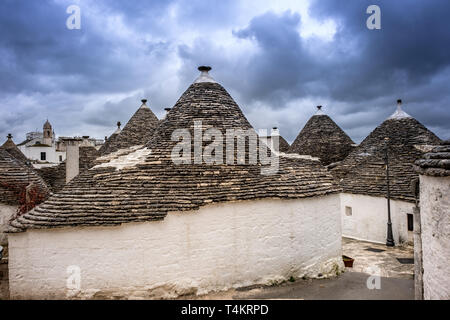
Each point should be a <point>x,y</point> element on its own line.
<point>275,132</point>
<point>167,111</point>
<point>275,139</point>
<point>72,157</point>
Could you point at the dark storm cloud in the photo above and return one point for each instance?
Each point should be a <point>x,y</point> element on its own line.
<point>86,80</point>
<point>362,68</point>
<point>278,67</point>
<point>40,54</point>
<point>412,46</point>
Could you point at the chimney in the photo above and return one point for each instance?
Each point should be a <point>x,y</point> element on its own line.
<point>275,131</point>
<point>275,139</point>
<point>72,157</point>
<point>144,101</point>
<point>319,107</point>
<point>9,136</point>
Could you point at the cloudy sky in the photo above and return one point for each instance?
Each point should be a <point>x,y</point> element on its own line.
<point>278,59</point>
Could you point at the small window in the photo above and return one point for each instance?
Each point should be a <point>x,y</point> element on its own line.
<point>60,158</point>
<point>348,211</point>
<point>410,222</point>
<point>43,156</point>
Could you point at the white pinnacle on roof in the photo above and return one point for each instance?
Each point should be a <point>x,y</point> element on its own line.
<point>144,101</point>
<point>399,113</point>
<point>204,76</point>
<point>118,128</point>
<point>319,111</point>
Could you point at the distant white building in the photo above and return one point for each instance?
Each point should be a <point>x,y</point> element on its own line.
<point>42,147</point>
<point>44,150</point>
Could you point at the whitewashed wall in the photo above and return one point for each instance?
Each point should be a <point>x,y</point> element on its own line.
<point>435,218</point>
<point>215,248</point>
<point>369,218</point>
<point>34,153</point>
<point>6,212</point>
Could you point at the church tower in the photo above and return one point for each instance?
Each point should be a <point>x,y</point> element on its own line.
<point>48,133</point>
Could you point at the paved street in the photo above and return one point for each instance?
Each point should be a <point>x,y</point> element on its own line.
<point>396,278</point>
<point>348,286</point>
<point>372,257</point>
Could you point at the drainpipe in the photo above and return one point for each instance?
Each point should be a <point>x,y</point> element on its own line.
<point>72,158</point>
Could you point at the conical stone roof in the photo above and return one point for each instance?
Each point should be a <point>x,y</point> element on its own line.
<point>321,137</point>
<point>435,163</point>
<point>110,141</point>
<point>137,131</point>
<point>283,145</point>
<point>14,177</point>
<point>364,170</point>
<point>146,184</point>
<point>12,149</point>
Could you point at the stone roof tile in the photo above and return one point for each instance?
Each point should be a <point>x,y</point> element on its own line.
<point>14,175</point>
<point>364,170</point>
<point>435,163</point>
<point>321,137</point>
<point>150,184</point>
<point>137,131</point>
<point>12,149</point>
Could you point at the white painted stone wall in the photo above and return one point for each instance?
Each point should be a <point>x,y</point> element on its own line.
<point>6,212</point>
<point>215,248</point>
<point>369,218</point>
<point>34,153</point>
<point>435,218</point>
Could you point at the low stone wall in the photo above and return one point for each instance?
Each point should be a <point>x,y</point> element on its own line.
<point>435,217</point>
<point>217,247</point>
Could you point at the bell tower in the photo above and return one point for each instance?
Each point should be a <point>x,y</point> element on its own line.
<point>48,133</point>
